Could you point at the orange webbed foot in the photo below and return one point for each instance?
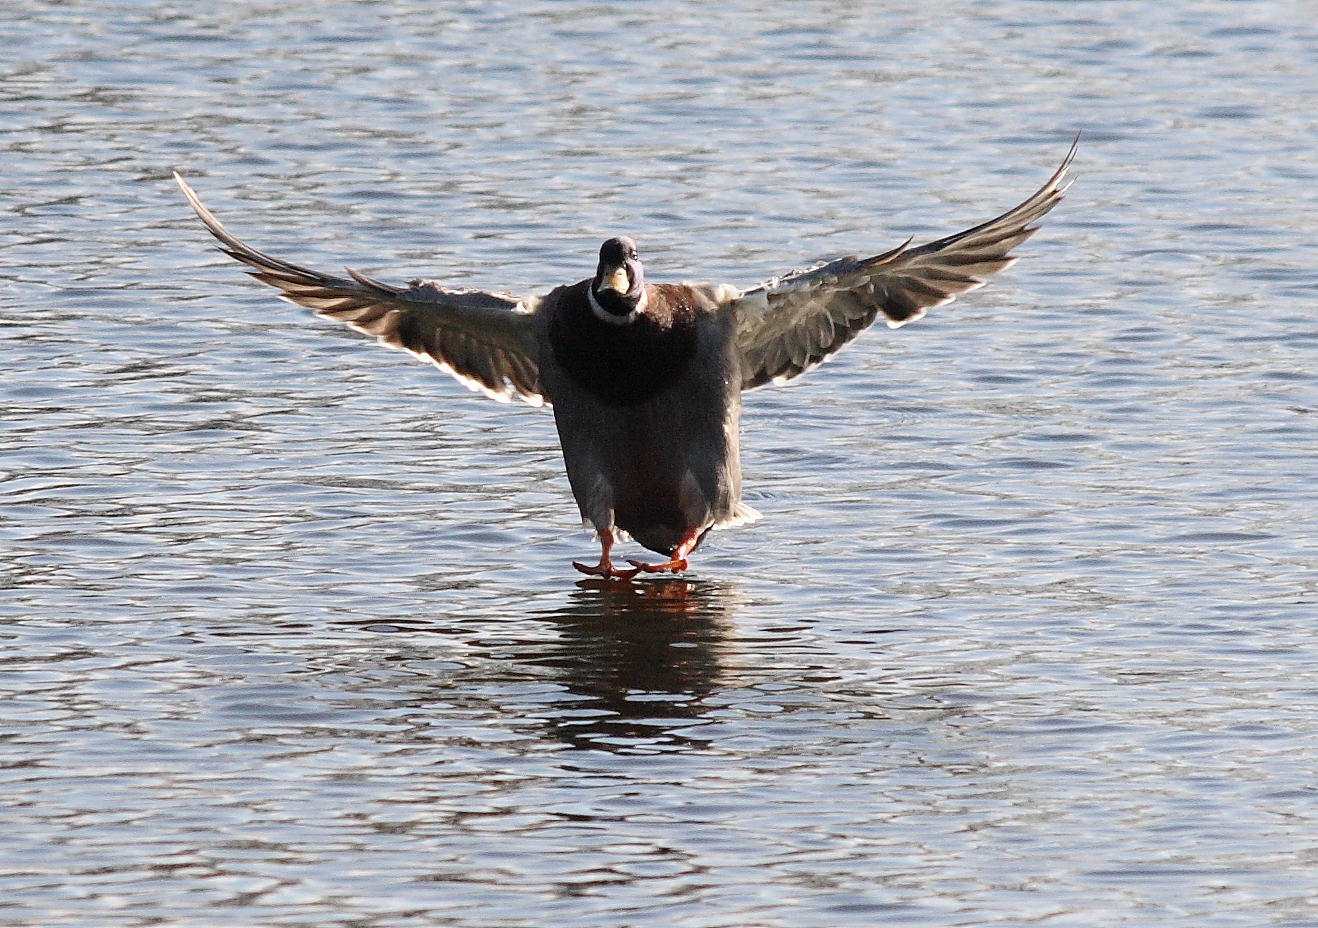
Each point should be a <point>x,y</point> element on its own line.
<point>606,570</point>
<point>672,565</point>
<point>678,562</point>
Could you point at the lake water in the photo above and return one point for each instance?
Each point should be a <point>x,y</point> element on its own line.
<point>1028,633</point>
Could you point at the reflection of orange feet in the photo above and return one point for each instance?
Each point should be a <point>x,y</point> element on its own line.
<point>605,567</point>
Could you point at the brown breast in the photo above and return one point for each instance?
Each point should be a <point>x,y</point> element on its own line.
<point>623,365</point>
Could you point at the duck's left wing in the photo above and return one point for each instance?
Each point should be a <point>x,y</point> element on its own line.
<point>789,324</point>
<point>487,341</point>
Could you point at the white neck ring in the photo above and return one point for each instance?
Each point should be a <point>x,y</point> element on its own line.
<point>603,314</point>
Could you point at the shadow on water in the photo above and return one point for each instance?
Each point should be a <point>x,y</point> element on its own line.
<point>642,657</point>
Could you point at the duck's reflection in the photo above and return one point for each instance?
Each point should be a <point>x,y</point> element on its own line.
<point>640,657</point>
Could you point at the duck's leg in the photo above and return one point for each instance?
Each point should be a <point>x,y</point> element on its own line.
<point>605,567</point>
<point>676,563</point>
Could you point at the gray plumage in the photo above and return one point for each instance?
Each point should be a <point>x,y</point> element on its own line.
<point>646,379</point>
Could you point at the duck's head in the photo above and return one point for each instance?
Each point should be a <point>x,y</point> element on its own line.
<point>617,294</point>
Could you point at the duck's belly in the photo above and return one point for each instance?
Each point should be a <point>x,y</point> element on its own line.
<point>658,470</point>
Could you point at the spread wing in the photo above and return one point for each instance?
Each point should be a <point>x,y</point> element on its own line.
<point>485,340</point>
<point>789,324</point>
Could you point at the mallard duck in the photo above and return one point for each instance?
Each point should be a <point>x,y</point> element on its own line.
<point>646,379</point>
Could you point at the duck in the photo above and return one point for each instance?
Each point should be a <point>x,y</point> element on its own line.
<point>645,379</point>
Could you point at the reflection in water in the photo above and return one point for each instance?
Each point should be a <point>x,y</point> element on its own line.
<point>619,666</point>
<point>643,655</point>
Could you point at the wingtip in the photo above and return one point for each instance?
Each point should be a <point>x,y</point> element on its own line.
<point>1070,156</point>
<point>233,246</point>
<point>194,200</point>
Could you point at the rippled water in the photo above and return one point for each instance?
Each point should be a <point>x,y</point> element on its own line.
<point>1027,634</point>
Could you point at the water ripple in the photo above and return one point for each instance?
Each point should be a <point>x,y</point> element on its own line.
<point>1025,634</point>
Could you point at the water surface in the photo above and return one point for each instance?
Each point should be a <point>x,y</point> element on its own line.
<point>290,634</point>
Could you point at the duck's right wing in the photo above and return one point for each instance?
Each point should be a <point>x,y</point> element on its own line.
<point>485,340</point>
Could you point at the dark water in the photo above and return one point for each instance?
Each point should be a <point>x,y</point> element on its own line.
<point>1026,636</point>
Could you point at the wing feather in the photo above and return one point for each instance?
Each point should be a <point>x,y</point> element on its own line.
<point>789,324</point>
<point>487,341</point>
